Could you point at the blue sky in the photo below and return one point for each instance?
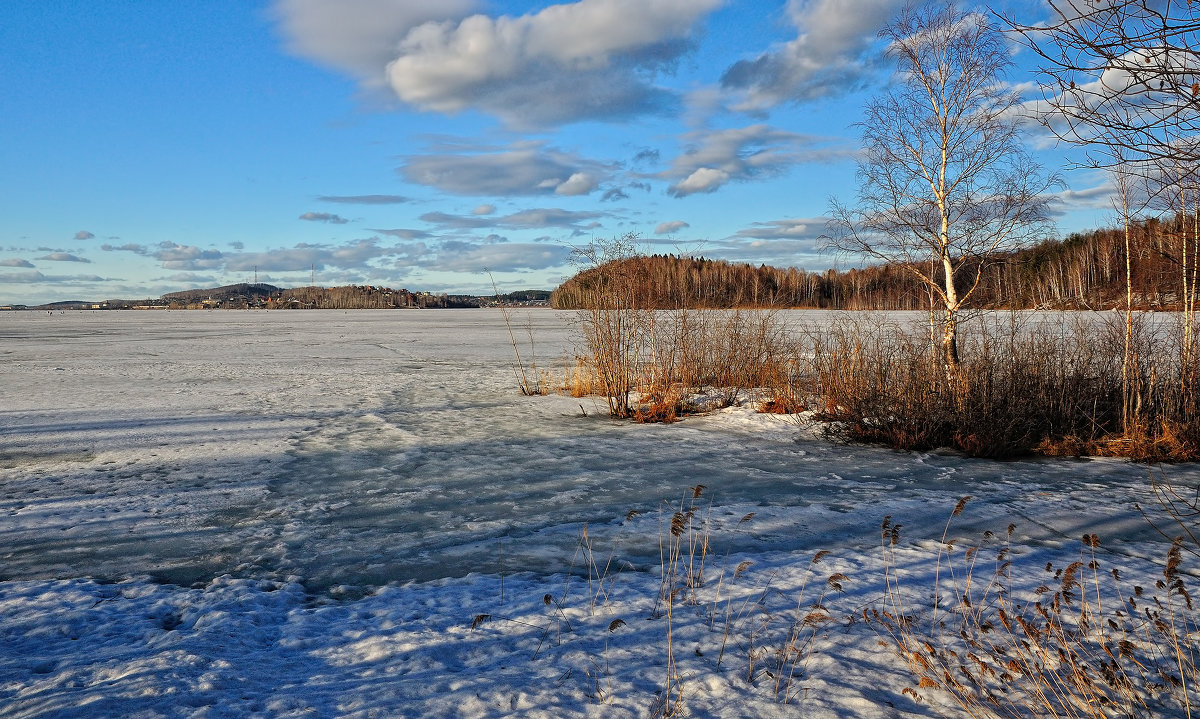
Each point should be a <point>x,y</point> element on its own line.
<point>156,146</point>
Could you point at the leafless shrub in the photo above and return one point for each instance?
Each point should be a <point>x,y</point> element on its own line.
<point>647,362</point>
<point>1024,386</point>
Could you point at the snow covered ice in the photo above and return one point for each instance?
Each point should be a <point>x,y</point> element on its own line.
<point>356,514</point>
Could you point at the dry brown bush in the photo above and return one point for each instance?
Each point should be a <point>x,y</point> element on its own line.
<point>1025,385</point>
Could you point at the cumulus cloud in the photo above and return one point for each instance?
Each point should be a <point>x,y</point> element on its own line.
<point>63,257</point>
<point>670,228</point>
<point>365,199</point>
<point>703,179</point>
<point>716,157</point>
<point>584,60</point>
<point>15,262</point>
<point>580,183</point>
<point>524,170</point>
<point>828,57</point>
<point>613,194</point>
<point>591,59</point>
<point>323,217</point>
<point>483,210</point>
<point>358,36</point>
<point>84,235</point>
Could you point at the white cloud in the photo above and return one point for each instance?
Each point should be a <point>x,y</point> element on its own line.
<point>1097,197</point>
<point>716,157</point>
<point>359,36</point>
<point>483,210</point>
<point>522,170</point>
<point>187,257</point>
<point>670,228</point>
<point>580,183</point>
<point>353,255</point>
<point>15,262</point>
<point>592,59</point>
<point>63,257</point>
<point>828,57</point>
<point>784,229</point>
<point>84,235</point>
<point>504,257</point>
<point>35,277</point>
<point>703,179</point>
<point>788,242</point>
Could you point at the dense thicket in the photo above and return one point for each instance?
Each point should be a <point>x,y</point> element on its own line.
<point>1084,271</point>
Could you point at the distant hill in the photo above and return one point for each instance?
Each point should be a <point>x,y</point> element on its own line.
<point>260,295</point>
<point>242,289</point>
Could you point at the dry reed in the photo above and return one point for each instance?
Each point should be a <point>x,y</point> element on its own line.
<point>1086,642</point>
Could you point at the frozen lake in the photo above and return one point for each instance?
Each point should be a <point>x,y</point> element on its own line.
<point>370,447</point>
<point>327,514</point>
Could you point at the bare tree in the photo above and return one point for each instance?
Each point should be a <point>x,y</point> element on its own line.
<point>1122,79</point>
<point>1121,75</point>
<point>615,323</point>
<point>945,182</point>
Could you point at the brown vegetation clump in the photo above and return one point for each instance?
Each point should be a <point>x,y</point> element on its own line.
<point>1020,383</point>
<point>782,403</point>
<point>1021,388</point>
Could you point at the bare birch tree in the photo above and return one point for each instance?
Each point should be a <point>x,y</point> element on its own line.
<point>1122,79</point>
<point>945,182</point>
<point>1121,75</point>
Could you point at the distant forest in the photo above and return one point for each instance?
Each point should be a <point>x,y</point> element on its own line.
<point>1084,271</point>
<point>347,297</point>
<point>331,298</point>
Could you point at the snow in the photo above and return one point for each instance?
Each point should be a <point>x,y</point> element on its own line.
<point>227,514</point>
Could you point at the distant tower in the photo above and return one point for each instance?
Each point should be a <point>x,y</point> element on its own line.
<point>256,274</point>
<point>312,275</point>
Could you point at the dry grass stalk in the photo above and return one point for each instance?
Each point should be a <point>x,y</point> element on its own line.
<point>1085,643</point>
<point>772,632</point>
<point>531,382</point>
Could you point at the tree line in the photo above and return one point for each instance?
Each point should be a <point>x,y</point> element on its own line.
<point>1086,270</point>
<point>346,297</point>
